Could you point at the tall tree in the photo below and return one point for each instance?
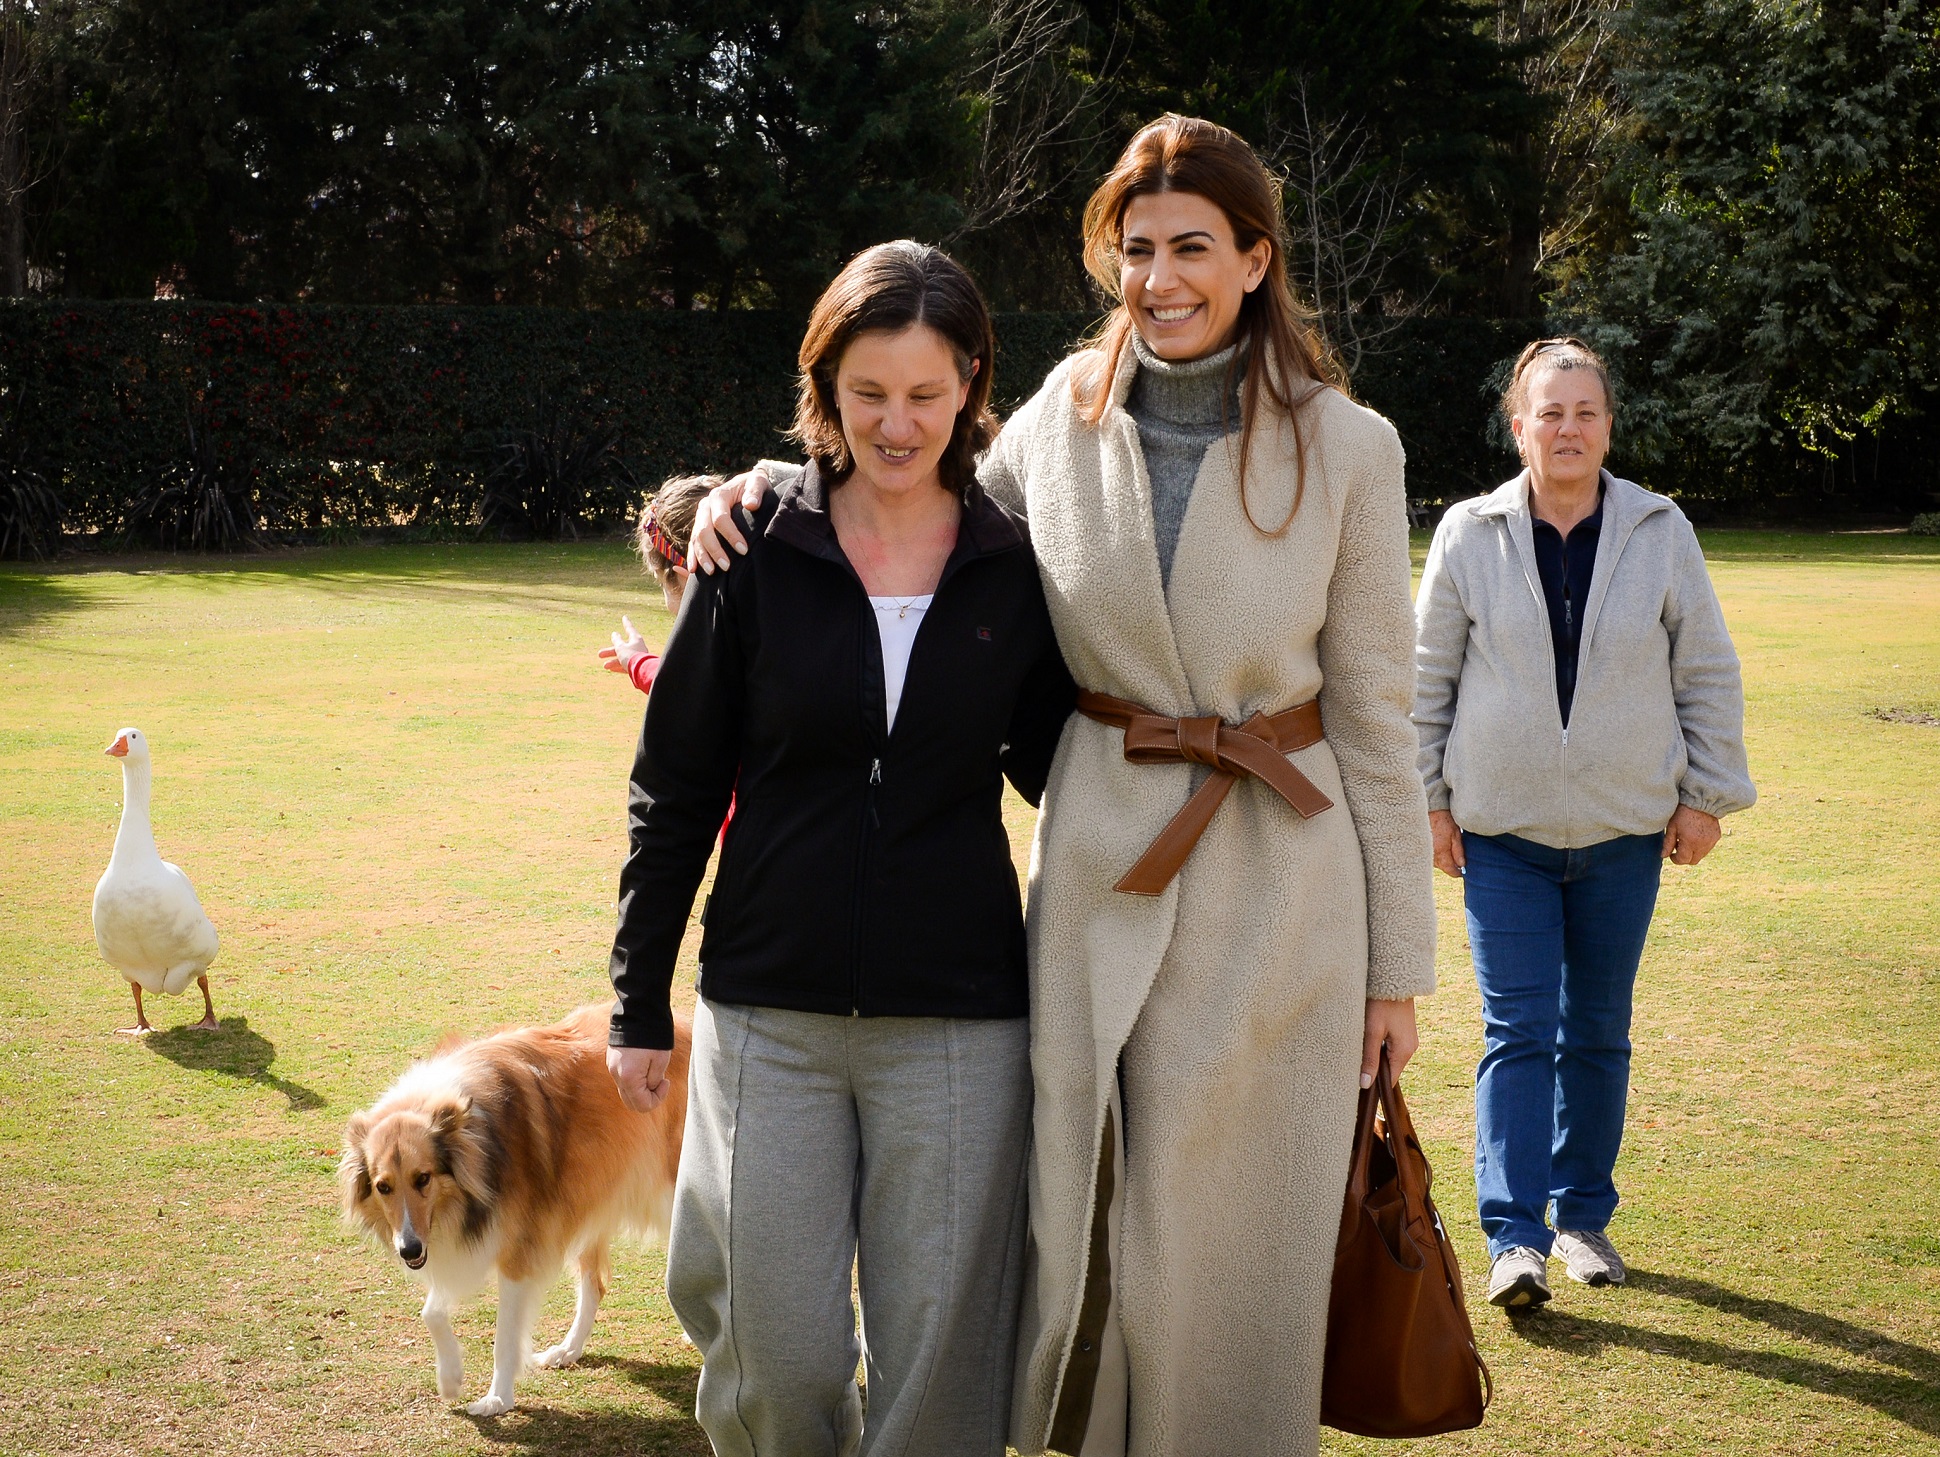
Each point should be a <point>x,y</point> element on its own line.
<point>495,150</point>
<point>1783,178</point>
<point>826,128</point>
<point>535,151</point>
<point>16,83</point>
<point>1563,51</point>
<point>1426,89</point>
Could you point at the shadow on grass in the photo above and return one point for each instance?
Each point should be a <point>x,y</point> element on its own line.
<point>1910,1395</point>
<point>29,598</point>
<point>233,1049</point>
<point>608,1433</point>
<point>474,574</point>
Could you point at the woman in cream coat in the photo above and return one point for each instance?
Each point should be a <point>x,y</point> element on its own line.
<point>1198,1038</point>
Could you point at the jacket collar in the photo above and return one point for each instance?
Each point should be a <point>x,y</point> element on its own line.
<point>1625,503</point>
<point>802,521</point>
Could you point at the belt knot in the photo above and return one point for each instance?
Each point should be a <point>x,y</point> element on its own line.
<point>1199,740</point>
<point>1256,749</point>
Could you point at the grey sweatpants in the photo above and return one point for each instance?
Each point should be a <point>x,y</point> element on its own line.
<point>815,1144</point>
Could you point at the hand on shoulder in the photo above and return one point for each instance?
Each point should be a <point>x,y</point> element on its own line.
<point>715,529</point>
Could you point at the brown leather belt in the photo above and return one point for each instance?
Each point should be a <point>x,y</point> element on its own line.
<point>1257,747</point>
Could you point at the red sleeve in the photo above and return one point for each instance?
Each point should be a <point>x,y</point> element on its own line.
<point>642,669</point>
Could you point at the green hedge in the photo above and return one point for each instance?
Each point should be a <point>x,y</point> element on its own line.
<point>352,417</point>
<point>370,415</point>
<point>362,416</point>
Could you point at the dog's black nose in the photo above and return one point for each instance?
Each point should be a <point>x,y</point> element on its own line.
<point>411,1251</point>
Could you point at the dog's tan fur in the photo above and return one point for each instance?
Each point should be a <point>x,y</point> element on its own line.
<point>509,1156</point>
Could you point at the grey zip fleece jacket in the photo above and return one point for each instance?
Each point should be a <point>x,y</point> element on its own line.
<point>1659,713</point>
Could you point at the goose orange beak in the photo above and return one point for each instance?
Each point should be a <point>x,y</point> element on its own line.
<point>119,748</point>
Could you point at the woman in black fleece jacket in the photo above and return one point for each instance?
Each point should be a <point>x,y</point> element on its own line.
<point>860,1080</point>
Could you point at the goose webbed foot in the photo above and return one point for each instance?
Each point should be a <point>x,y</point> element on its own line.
<point>208,1022</point>
<point>142,1026</point>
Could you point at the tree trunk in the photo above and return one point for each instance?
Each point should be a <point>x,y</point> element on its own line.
<point>13,149</point>
<point>1520,284</point>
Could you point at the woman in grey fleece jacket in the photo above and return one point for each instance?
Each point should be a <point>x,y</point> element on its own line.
<point>1581,719</point>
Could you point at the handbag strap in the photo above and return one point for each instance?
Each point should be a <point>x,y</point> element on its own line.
<point>1363,1148</point>
<point>1453,1275</point>
<point>1401,1135</point>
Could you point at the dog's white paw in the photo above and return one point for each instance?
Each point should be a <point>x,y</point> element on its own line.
<point>489,1406</point>
<point>557,1358</point>
<point>450,1390</point>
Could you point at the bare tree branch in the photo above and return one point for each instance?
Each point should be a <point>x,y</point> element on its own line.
<point>1030,105</point>
<point>24,79</point>
<point>1567,47</point>
<point>1344,214</point>
<point>15,85</point>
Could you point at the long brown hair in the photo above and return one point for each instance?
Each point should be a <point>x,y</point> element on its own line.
<point>890,287</point>
<point>1291,359</point>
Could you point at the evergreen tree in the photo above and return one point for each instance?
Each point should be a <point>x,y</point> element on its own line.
<point>1428,82</point>
<point>1783,177</point>
<point>529,151</point>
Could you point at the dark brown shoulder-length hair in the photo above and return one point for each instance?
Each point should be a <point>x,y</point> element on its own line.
<point>1291,359</point>
<point>890,287</point>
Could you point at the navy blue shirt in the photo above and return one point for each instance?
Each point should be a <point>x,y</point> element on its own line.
<point>1565,567</point>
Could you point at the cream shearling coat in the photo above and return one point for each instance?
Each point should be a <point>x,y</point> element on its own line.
<point>1235,999</point>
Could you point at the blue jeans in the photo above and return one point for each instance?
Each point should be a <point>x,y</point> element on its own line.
<point>1556,936</point>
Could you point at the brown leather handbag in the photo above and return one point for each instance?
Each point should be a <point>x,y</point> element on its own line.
<point>1401,1357</point>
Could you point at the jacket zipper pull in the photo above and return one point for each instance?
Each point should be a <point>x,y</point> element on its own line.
<point>875,771</point>
<point>875,778</point>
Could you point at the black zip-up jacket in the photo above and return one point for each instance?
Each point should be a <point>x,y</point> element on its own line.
<point>866,872</point>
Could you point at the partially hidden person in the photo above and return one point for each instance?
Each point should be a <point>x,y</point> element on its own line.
<point>660,535</point>
<point>1581,719</point>
<point>1231,909</point>
<point>860,1090</point>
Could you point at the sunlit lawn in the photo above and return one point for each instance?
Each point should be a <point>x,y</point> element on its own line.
<point>398,782</point>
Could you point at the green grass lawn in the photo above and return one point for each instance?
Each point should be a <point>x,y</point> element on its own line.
<point>397,779</point>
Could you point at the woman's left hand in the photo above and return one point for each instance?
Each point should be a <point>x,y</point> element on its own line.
<point>1394,1024</point>
<point>1690,836</point>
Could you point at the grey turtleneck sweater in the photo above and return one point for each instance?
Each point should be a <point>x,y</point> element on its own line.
<point>1179,412</point>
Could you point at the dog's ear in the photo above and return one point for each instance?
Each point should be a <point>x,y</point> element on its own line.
<point>353,1173</point>
<point>448,1118</point>
<point>470,1150</point>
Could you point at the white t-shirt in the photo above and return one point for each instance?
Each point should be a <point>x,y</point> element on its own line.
<point>897,619</point>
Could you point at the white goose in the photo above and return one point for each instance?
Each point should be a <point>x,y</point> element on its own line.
<point>147,921</point>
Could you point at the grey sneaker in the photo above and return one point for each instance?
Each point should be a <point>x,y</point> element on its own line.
<point>1519,1279</point>
<point>1589,1256</point>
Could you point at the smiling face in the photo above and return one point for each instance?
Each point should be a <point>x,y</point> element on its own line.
<point>1181,274</point>
<point>899,395</point>
<point>1563,427</point>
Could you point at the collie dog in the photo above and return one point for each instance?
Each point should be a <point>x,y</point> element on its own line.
<point>509,1156</point>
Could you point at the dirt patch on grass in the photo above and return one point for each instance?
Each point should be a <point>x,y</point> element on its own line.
<point>1905,715</point>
